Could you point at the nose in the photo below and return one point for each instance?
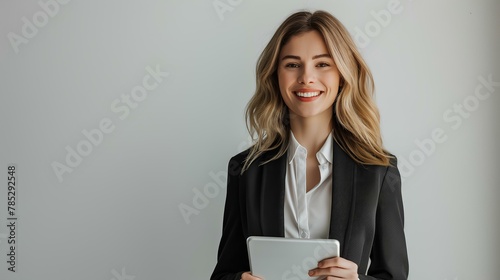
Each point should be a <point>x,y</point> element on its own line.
<point>306,76</point>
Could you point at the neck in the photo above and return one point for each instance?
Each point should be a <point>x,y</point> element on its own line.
<point>311,132</point>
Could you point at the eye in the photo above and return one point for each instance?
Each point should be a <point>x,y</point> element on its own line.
<point>292,65</point>
<point>323,64</point>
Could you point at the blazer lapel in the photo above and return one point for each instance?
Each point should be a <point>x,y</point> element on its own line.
<point>342,196</point>
<point>273,197</point>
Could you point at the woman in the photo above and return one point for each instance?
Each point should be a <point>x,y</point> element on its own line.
<point>317,168</point>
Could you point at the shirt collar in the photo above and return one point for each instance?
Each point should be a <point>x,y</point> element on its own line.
<point>293,147</point>
<point>324,155</point>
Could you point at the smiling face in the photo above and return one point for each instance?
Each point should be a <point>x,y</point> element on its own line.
<point>307,75</point>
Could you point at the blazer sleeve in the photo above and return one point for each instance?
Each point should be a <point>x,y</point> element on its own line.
<point>232,256</point>
<point>389,257</point>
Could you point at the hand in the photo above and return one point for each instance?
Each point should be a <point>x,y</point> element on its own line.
<point>249,276</point>
<point>336,268</point>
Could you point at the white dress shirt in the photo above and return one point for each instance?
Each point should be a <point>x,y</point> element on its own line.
<point>307,214</point>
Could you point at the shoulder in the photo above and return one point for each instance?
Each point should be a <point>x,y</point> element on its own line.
<point>393,163</point>
<point>392,177</point>
<point>241,156</point>
<point>381,171</point>
<point>237,161</point>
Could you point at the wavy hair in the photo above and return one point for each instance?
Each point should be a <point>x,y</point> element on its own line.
<point>356,120</point>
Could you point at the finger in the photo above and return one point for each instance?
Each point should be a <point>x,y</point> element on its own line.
<point>336,268</point>
<point>248,276</point>
<point>333,272</point>
<point>338,262</point>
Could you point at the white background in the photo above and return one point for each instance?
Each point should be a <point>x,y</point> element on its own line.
<point>116,215</point>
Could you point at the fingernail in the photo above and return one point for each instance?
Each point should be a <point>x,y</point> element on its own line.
<point>311,272</point>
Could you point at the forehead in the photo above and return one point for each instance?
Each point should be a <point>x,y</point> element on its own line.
<point>307,44</point>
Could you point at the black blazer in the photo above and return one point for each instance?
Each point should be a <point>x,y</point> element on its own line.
<point>366,215</point>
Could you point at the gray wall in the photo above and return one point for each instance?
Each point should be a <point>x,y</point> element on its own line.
<point>159,88</point>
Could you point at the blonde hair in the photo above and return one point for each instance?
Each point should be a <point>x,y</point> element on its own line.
<point>356,120</point>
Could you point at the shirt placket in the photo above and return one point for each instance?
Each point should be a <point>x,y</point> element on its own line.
<point>302,219</point>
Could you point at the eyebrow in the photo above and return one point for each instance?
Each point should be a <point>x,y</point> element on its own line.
<point>298,57</point>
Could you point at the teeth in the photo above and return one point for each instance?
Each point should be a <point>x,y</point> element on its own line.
<point>307,94</point>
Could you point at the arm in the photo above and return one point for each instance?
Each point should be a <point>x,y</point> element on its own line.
<point>389,258</point>
<point>232,257</point>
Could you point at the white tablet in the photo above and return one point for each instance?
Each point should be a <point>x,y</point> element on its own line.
<point>279,258</point>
